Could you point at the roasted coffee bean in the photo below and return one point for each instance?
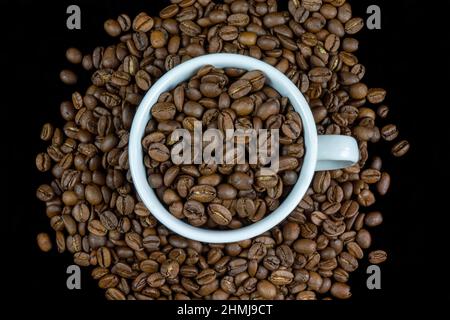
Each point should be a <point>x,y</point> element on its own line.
<point>239,88</point>
<point>373,219</point>
<point>400,148</point>
<point>143,80</point>
<point>247,38</point>
<point>281,277</point>
<point>376,95</point>
<point>321,181</point>
<point>347,262</point>
<point>363,238</point>
<point>44,192</point>
<point>340,290</point>
<point>377,257</point>
<point>170,269</point>
<point>43,162</point>
<point>245,207</point>
<point>202,193</point>
<point>305,246</point>
<point>143,22</point>
<point>163,111</point>
<point>190,28</point>
<point>73,55</point>
<point>320,75</point>
<point>384,183</point>
<point>68,77</point>
<point>112,27</point>
<point>206,276</point>
<point>158,152</point>
<point>266,289</point>
<point>44,242</point>
<point>243,106</point>
<point>93,194</point>
<point>114,294</point>
<point>240,181</point>
<point>389,132</point>
<point>354,25</point>
<point>81,259</point>
<point>219,214</point>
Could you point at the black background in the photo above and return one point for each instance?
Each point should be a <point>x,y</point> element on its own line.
<point>407,57</point>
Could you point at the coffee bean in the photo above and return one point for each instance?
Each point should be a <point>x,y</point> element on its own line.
<point>108,281</point>
<point>97,228</point>
<point>104,257</point>
<point>44,192</point>
<point>266,289</point>
<point>321,181</point>
<point>340,290</point>
<point>158,152</point>
<point>93,194</point>
<point>376,95</point>
<point>163,111</point>
<point>202,193</point>
<point>228,33</point>
<point>320,75</point>
<point>382,111</point>
<point>358,91</point>
<point>240,181</point>
<point>43,162</point>
<point>143,22</point>
<point>143,80</point>
<point>363,238</point>
<point>373,219</point>
<point>384,183</point>
<point>400,148</point>
<point>347,262</point>
<point>87,62</point>
<point>112,27</point>
<point>370,176</point>
<point>190,28</point>
<point>354,25</point>
<point>210,90</point>
<point>281,277</point>
<point>219,214</point>
<point>268,108</point>
<point>81,259</point>
<point>247,38</point>
<point>206,276</point>
<point>47,132</point>
<point>377,256</point>
<point>124,22</point>
<point>44,242</point>
<point>389,132</point>
<point>68,77</point>
<point>257,79</point>
<point>170,269</point>
<point>73,55</point>
<point>239,88</point>
<point>305,246</point>
<point>114,294</point>
<point>226,191</point>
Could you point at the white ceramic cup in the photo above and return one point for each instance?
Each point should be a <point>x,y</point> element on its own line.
<point>325,152</point>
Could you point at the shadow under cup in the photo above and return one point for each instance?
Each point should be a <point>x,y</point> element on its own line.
<point>182,72</point>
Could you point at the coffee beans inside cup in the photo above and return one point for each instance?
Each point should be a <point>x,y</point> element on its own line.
<point>223,191</point>
<point>98,218</point>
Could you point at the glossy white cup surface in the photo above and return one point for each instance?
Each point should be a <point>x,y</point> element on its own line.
<point>325,152</point>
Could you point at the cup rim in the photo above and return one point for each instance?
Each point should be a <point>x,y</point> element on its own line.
<point>170,80</point>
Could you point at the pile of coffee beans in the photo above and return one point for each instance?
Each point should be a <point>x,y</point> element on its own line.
<point>98,217</point>
<point>230,193</point>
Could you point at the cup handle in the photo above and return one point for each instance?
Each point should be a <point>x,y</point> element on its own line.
<point>336,152</point>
